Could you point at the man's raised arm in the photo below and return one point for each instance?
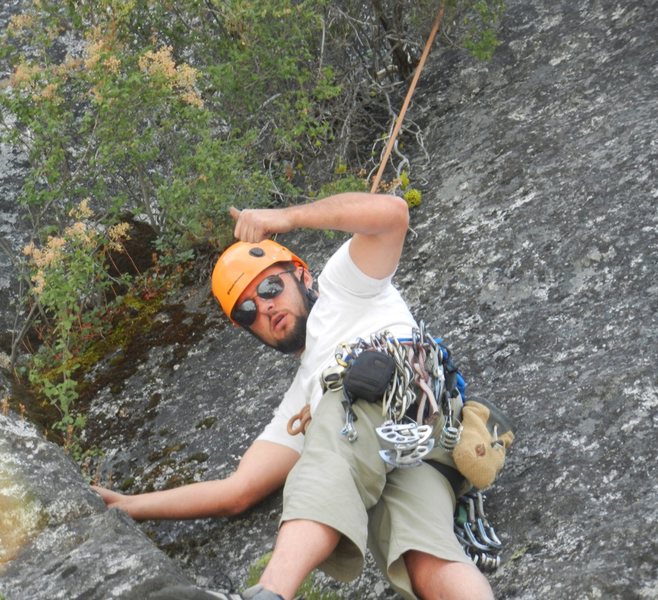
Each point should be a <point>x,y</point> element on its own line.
<point>378,223</point>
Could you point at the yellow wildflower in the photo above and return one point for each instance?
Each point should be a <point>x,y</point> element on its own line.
<point>49,255</point>
<point>55,243</point>
<point>100,42</point>
<point>48,92</point>
<point>183,76</point>
<point>82,211</point>
<point>186,76</point>
<point>93,54</point>
<point>118,232</point>
<point>80,233</point>
<point>19,22</point>
<point>39,281</point>
<point>24,73</point>
<point>112,63</point>
<point>193,99</point>
<point>159,63</point>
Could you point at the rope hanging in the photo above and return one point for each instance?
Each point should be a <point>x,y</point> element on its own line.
<point>407,100</point>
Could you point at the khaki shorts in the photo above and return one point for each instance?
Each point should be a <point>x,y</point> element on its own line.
<point>348,487</point>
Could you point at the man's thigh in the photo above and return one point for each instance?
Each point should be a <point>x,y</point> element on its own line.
<point>415,513</point>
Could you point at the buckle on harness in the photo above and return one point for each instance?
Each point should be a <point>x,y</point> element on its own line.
<point>332,378</point>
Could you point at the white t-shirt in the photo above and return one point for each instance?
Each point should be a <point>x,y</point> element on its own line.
<point>350,305</point>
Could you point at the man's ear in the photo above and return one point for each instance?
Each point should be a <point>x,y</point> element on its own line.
<point>305,277</point>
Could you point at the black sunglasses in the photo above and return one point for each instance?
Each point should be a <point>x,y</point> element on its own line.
<point>244,314</point>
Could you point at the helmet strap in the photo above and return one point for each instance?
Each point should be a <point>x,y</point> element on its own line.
<point>310,294</point>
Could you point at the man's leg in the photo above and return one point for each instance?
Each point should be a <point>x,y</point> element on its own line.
<point>300,547</point>
<point>412,539</point>
<point>324,519</point>
<point>435,579</point>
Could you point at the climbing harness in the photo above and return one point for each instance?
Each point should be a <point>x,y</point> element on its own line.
<point>475,533</point>
<point>423,385</point>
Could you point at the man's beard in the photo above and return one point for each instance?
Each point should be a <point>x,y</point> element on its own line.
<point>295,341</point>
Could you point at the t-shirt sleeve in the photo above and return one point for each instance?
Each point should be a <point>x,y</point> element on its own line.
<point>342,276</point>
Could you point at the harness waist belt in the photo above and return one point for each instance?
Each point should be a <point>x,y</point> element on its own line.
<point>454,477</point>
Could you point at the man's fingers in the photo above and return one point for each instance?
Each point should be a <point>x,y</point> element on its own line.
<point>250,224</point>
<point>238,230</point>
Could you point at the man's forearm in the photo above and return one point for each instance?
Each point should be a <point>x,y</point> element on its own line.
<point>197,500</point>
<point>351,212</point>
<point>262,470</point>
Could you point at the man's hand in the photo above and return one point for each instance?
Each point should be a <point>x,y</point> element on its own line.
<point>255,225</point>
<point>111,499</point>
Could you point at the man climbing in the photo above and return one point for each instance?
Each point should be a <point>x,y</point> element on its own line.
<point>340,494</point>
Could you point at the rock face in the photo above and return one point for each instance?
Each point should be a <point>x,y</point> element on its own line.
<point>68,545</point>
<point>534,255</point>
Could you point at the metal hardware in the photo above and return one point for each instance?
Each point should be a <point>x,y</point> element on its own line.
<point>332,378</point>
<point>403,436</point>
<point>348,430</point>
<point>475,533</point>
<point>397,457</point>
<point>449,437</point>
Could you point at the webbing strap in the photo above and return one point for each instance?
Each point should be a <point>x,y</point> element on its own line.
<point>454,477</point>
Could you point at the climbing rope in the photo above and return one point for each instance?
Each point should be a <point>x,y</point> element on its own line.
<point>298,423</point>
<point>407,100</point>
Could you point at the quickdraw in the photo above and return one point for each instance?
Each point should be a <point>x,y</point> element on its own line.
<point>475,533</point>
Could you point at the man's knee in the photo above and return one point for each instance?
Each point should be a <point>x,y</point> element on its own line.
<point>433,578</point>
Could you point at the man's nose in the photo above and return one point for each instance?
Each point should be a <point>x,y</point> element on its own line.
<point>264,305</point>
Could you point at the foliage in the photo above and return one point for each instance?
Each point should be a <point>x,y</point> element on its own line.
<point>413,197</point>
<point>123,121</point>
<point>480,27</point>
<point>68,276</point>
<point>174,110</point>
<point>345,183</point>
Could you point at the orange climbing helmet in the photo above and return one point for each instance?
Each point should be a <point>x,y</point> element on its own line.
<point>240,264</point>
